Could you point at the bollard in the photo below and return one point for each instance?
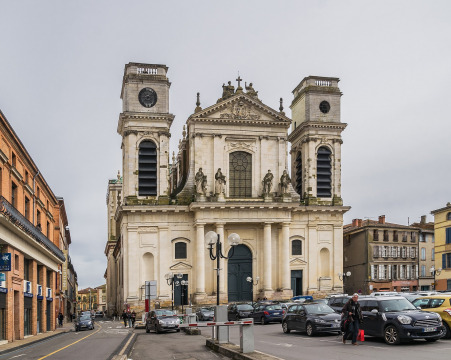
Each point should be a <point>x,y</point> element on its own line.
<point>222,332</point>
<point>247,338</point>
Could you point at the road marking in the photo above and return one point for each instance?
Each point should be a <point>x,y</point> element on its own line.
<point>17,356</point>
<point>95,332</point>
<point>125,346</point>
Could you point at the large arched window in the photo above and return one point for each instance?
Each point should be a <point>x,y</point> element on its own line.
<point>296,247</point>
<point>299,173</point>
<point>240,176</point>
<point>323,173</point>
<point>147,169</point>
<point>180,250</point>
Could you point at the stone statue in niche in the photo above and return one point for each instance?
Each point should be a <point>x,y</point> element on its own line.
<point>220,181</point>
<point>201,182</point>
<point>267,183</point>
<point>284,182</point>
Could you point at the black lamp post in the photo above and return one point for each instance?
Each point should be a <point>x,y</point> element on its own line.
<point>212,240</point>
<point>249,279</point>
<point>434,272</point>
<point>170,279</point>
<point>343,276</point>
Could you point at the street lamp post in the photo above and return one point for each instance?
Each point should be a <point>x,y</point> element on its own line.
<point>249,279</point>
<point>212,240</point>
<point>170,279</point>
<point>434,272</point>
<point>343,276</point>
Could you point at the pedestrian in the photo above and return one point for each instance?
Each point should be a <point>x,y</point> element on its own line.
<point>125,317</point>
<point>129,318</point>
<point>114,315</point>
<point>353,316</point>
<point>133,318</point>
<point>60,319</point>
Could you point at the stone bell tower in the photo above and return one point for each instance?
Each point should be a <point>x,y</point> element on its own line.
<point>316,141</point>
<point>144,125</point>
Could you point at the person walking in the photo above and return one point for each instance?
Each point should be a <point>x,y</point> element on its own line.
<point>125,317</point>
<point>60,319</point>
<point>133,317</point>
<point>129,318</point>
<point>352,314</point>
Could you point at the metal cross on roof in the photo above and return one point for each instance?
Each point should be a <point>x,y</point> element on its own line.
<point>239,80</point>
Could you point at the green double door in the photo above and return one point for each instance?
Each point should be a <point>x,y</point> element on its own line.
<point>238,269</point>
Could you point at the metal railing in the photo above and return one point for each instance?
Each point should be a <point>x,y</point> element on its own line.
<point>20,221</point>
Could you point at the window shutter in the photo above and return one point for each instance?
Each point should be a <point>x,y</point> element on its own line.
<point>381,271</point>
<point>416,268</point>
<point>399,251</point>
<point>372,272</point>
<point>408,271</point>
<point>448,235</point>
<point>389,272</point>
<point>444,261</point>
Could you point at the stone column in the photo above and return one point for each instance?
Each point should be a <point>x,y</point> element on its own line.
<point>200,259</point>
<point>222,275</point>
<point>285,257</point>
<point>267,254</point>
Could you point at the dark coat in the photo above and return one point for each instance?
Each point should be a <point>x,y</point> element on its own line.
<point>347,308</point>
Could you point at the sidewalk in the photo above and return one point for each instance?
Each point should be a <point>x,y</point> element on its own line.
<point>17,344</point>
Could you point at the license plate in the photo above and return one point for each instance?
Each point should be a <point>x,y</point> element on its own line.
<point>276,314</point>
<point>335,325</point>
<point>171,325</point>
<point>429,329</point>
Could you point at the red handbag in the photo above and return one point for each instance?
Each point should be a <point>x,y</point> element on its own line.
<point>361,336</point>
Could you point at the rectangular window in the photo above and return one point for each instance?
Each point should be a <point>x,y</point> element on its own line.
<point>26,269</point>
<point>385,235</point>
<point>423,270</point>
<point>395,235</point>
<point>376,235</point>
<point>448,235</point>
<point>48,230</point>
<point>16,262</point>
<point>404,236</point>
<point>433,254</point>
<point>38,220</point>
<point>14,160</point>
<point>26,177</point>
<point>413,237</point>
<point>13,194</point>
<point>27,208</point>
<point>423,253</point>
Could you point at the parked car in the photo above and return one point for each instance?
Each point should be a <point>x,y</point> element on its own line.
<point>440,304</point>
<point>205,314</point>
<point>285,305</point>
<point>236,311</point>
<point>337,302</point>
<point>411,296</point>
<point>312,318</point>
<point>266,313</point>
<point>99,314</point>
<point>385,293</point>
<point>162,320</point>
<point>84,322</point>
<point>395,319</point>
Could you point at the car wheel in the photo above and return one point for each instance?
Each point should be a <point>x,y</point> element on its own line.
<point>309,329</point>
<point>285,328</point>
<point>391,335</point>
<point>262,321</point>
<point>447,331</point>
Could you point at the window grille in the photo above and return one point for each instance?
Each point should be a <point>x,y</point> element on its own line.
<point>299,174</point>
<point>324,173</point>
<point>147,166</point>
<point>180,250</point>
<point>240,164</point>
<point>296,247</point>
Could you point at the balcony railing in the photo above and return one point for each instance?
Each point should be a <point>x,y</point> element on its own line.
<point>15,217</point>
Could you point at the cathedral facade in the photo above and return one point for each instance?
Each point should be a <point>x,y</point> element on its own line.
<point>230,176</point>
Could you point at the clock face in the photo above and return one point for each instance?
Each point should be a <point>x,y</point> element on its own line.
<point>324,107</point>
<point>147,97</point>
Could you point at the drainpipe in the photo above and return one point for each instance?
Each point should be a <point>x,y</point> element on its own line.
<point>34,195</point>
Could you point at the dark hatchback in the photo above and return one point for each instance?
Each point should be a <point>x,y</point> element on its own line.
<point>205,314</point>
<point>337,302</point>
<point>84,322</point>
<point>238,311</point>
<point>162,320</point>
<point>266,313</point>
<point>311,318</point>
<point>395,319</point>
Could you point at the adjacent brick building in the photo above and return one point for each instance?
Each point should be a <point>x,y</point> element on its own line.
<point>380,256</point>
<point>442,230</point>
<point>29,232</point>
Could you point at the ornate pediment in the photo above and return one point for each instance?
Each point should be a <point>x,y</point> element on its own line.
<point>297,261</point>
<point>181,266</point>
<point>241,107</point>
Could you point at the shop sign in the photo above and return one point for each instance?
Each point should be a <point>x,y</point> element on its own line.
<point>5,262</point>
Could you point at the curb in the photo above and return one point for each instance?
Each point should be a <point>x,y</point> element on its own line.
<point>21,346</point>
<point>233,351</point>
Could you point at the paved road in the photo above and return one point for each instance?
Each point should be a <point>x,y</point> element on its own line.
<point>98,344</point>
<point>295,346</point>
<point>171,346</point>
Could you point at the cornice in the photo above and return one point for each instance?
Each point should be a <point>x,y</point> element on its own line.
<point>309,125</point>
<point>16,173</point>
<point>3,157</point>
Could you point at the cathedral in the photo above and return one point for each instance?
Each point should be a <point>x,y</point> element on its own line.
<point>227,196</point>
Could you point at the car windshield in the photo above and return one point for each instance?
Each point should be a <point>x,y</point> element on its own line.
<point>396,305</point>
<point>244,307</point>
<point>207,309</point>
<point>273,307</point>
<point>318,309</point>
<point>85,317</point>
<point>164,313</point>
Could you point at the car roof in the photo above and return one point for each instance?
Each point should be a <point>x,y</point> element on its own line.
<point>442,296</point>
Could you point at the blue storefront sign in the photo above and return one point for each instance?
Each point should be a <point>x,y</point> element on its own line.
<point>5,262</point>
<point>2,277</point>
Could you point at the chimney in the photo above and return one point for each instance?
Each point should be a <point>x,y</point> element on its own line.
<point>382,219</point>
<point>355,222</point>
<point>359,222</point>
<point>423,219</point>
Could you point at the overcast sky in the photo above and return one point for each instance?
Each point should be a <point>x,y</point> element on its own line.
<point>61,67</point>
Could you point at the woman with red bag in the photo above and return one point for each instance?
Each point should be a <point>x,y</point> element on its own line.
<point>353,315</point>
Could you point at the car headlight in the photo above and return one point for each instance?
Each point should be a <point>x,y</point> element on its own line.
<point>161,322</point>
<point>177,321</point>
<point>403,319</point>
<point>321,321</point>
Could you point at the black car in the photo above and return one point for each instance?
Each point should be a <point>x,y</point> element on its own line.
<point>265,313</point>
<point>205,314</point>
<point>162,320</point>
<point>238,311</point>
<point>337,302</point>
<point>395,319</point>
<point>312,318</point>
<point>84,322</point>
